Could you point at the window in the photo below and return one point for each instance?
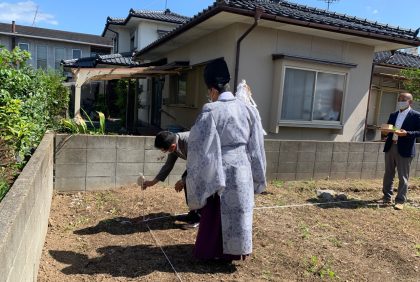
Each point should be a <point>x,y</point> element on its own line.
<point>187,89</point>
<point>312,96</point>
<point>60,54</point>
<point>24,46</point>
<point>41,57</point>
<point>179,89</point>
<point>77,54</point>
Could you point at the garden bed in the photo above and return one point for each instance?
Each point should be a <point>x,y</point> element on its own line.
<point>97,236</point>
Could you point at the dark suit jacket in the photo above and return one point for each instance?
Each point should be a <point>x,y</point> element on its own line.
<point>407,144</point>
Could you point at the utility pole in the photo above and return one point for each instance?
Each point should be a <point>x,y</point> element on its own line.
<point>329,2</point>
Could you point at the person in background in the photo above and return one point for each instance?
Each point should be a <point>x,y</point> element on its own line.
<point>176,145</point>
<point>400,148</point>
<point>226,166</point>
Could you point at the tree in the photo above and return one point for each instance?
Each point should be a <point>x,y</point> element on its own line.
<point>412,82</point>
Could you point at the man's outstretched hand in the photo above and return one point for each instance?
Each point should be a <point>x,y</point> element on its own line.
<point>148,183</point>
<point>179,185</point>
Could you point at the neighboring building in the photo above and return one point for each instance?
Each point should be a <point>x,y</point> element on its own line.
<point>309,69</point>
<point>387,83</point>
<point>140,28</point>
<point>49,47</point>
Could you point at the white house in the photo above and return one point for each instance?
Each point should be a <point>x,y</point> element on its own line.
<point>309,69</point>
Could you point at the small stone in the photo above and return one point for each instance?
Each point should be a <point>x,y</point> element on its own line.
<point>341,197</point>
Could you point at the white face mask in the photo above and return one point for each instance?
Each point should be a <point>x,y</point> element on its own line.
<point>403,105</point>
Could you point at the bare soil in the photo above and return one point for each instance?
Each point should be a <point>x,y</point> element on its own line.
<point>99,236</point>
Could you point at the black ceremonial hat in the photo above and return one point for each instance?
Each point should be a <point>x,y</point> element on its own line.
<point>216,73</point>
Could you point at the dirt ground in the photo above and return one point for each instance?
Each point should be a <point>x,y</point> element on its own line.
<point>98,237</point>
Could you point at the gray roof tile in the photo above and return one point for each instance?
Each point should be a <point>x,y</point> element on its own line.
<point>53,34</point>
<point>398,59</point>
<point>279,10</point>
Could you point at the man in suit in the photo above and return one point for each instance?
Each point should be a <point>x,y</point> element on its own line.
<point>400,149</point>
<point>176,145</point>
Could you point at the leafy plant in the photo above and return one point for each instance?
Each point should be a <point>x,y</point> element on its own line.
<point>78,125</point>
<point>412,81</point>
<point>316,267</point>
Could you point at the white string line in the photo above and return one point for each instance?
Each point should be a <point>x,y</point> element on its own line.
<point>167,258</point>
<point>307,204</point>
<point>140,182</point>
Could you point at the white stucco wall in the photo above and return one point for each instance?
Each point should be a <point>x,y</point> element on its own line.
<point>147,32</point>
<point>257,67</point>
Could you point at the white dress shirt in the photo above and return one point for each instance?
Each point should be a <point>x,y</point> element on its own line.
<point>400,120</point>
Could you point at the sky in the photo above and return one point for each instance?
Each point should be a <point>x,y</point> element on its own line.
<point>89,16</point>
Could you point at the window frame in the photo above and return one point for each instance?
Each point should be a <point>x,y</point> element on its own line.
<point>279,84</point>
<point>72,53</point>
<point>46,56</point>
<point>55,57</point>
<point>23,43</point>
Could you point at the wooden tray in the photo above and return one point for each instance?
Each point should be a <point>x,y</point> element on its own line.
<point>388,130</point>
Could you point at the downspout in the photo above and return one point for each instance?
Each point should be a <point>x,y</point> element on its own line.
<point>257,16</point>
<point>117,37</point>
<point>14,36</point>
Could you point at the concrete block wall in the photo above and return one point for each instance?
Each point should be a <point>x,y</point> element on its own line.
<point>90,163</point>
<point>24,216</point>
<point>84,162</point>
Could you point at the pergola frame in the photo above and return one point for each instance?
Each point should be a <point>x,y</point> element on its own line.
<point>83,75</point>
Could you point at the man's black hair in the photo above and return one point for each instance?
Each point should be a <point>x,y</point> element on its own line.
<point>165,139</point>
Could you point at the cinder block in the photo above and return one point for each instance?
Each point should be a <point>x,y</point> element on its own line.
<point>321,175</point>
<point>130,156</point>
<point>96,183</point>
<point>354,167</point>
<point>304,176</point>
<point>337,175</point>
<point>307,146</point>
<point>369,167</point>
<point>125,180</point>
<point>380,174</point>
<point>131,142</point>
<point>355,157</point>
<point>71,184</point>
<point>370,156</point>
<point>100,169</point>
<point>102,142</point>
<point>380,166</point>
<point>272,145</point>
<point>338,167</point>
<point>152,168</point>
<point>155,156</point>
<point>272,161</point>
<point>340,156</point>
<point>71,156</point>
<point>70,170</point>
<point>341,146</point>
<point>289,157</point>
<point>289,146</point>
<point>356,147</point>
<point>323,156</point>
<point>372,147</point>
<point>272,176</point>
<point>287,167</point>
<point>353,175</point>
<point>307,167</point>
<point>173,178</point>
<point>149,143</point>
<point>65,141</point>
<point>324,146</point>
<point>306,156</point>
<point>286,176</point>
<point>124,169</point>
<point>179,168</point>
<point>322,167</point>
<point>101,155</point>
<point>368,175</point>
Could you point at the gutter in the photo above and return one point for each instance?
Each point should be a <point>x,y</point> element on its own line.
<point>257,16</point>
<point>117,37</point>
